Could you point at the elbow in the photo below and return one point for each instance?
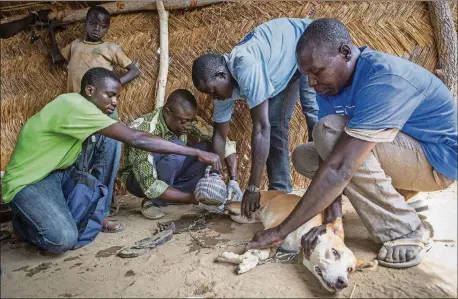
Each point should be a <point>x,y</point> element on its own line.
<point>340,173</point>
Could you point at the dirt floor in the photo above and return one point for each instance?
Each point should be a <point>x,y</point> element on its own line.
<point>184,266</point>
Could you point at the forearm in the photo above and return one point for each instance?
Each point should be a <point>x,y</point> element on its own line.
<point>335,209</point>
<point>133,72</point>
<point>174,195</point>
<point>231,163</point>
<point>56,55</point>
<point>260,143</point>
<point>155,144</point>
<point>219,146</point>
<point>327,184</point>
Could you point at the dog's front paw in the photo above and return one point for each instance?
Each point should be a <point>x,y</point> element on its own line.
<point>229,257</point>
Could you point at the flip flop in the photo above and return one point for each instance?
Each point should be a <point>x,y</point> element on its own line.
<point>425,247</point>
<point>150,210</point>
<point>141,247</point>
<point>118,227</point>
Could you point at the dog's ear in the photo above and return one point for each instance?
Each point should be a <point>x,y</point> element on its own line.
<point>365,265</point>
<point>336,228</point>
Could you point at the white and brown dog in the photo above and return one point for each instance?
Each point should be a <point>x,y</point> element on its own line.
<point>330,261</point>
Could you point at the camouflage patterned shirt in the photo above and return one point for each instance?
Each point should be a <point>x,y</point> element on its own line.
<point>141,163</point>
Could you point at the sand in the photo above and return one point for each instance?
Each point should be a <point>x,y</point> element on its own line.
<point>184,266</point>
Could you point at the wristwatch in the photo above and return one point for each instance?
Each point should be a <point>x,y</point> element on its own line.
<point>252,189</point>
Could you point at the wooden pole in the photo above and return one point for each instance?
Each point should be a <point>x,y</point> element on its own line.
<point>114,8</point>
<point>446,41</point>
<point>164,54</point>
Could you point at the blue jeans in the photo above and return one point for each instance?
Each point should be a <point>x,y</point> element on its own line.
<point>41,215</point>
<point>281,109</point>
<point>180,172</point>
<point>103,155</point>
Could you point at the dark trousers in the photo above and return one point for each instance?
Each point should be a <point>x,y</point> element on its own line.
<point>180,172</point>
<point>281,109</point>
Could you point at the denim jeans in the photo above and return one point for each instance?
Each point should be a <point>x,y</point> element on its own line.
<point>180,172</point>
<point>41,215</point>
<point>102,155</point>
<point>281,109</point>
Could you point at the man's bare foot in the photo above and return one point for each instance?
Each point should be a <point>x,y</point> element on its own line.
<point>405,251</point>
<point>112,226</point>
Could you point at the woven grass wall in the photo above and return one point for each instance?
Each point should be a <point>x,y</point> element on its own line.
<point>29,81</point>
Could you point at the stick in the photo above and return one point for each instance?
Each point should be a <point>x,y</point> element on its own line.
<point>446,42</point>
<point>164,54</point>
<point>352,291</point>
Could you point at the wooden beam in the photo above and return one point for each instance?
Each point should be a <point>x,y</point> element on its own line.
<point>446,42</point>
<point>115,8</point>
<point>164,54</point>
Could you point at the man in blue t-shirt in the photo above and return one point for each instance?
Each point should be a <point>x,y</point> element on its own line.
<point>385,124</point>
<point>262,69</point>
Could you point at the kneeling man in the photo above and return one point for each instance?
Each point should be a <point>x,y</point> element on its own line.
<point>386,124</point>
<point>162,178</point>
<point>57,143</point>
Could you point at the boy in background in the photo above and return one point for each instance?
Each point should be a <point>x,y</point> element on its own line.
<point>83,55</point>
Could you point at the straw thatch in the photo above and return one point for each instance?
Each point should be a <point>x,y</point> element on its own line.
<point>28,81</point>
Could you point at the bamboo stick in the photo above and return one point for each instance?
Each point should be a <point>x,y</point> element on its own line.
<point>164,54</point>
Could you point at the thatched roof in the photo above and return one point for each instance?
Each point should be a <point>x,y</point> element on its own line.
<point>28,81</point>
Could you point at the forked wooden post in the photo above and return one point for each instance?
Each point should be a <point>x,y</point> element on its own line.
<point>446,42</point>
<point>164,54</point>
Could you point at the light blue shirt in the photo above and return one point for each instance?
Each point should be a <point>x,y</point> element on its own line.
<point>262,63</point>
<point>391,92</point>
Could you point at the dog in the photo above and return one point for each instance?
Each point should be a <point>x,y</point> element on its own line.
<point>330,260</point>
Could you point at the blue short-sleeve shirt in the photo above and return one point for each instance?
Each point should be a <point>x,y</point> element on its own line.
<point>391,92</point>
<point>262,63</point>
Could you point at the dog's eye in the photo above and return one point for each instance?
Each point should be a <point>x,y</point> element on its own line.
<point>350,270</point>
<point>336,253</point>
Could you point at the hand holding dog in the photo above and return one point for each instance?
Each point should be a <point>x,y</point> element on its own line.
<point>309,240</point>
<point>266,239</point>
<point>250,203</point>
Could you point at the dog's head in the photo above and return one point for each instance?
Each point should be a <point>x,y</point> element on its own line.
<point>331,261</point>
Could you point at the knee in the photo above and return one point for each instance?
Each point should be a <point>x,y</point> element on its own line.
<point>326,133</point>
<point>330,124</point>
<point>61,239</point>
<point>305,160</point>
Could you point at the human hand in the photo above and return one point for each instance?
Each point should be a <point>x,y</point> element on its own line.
<point>265,239</point>
<point>233,191</point>
<point>210,158</point>
<point>250,203</point>
<point>308,241</point>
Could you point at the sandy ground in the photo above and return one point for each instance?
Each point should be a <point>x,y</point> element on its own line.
<point>183,268</point>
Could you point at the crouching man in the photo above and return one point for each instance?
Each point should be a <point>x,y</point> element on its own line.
<point>171,178</point>
<point>385,123</point>
<point>53,146</point>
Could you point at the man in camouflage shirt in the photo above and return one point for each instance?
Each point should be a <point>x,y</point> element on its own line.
<point>163,178</point>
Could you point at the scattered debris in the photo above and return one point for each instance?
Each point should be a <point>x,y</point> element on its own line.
<point>108,252</point>
<point>71,258</point>
<point>129,273</point>
<point>40,268</point>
